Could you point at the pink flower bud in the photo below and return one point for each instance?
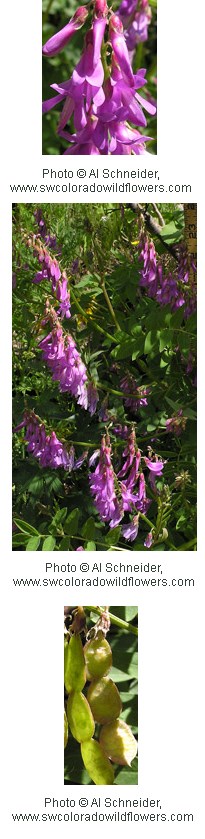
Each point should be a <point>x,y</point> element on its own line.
<point>100,8</point>
<point>60,39</point>
<point>116,24</point>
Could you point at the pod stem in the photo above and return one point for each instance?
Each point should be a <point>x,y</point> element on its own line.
<point>113,619</point>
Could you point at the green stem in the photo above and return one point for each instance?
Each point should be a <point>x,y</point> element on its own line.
<point>90,318</point>
<point>150,523</point>
<point>187,545</point>
<point>109,304</point>
<point>113,619</point>
<point>46,13</point>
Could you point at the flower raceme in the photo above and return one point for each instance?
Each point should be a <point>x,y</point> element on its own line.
<point>102,94</point>
<point>175,287</point>
<point>117,493</point>
<point>48,450</point>
<point>50,270</point>
<point>68,369</point>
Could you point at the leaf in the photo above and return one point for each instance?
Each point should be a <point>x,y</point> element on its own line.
<point>19,539</point>
<point>91,546</point>
<point>165,339</point>
<point>71,523</point>
<point>151,342</point>
<point>128,775</point>
<point>49,544</point>
<point>26,528</point>
<point>124,350</point>
<point>113,536</point>
<point>59,518</point>
<point>89,529</point>
<point>65,544</point>
<point>35,486</point>
<point>130,612</point>
<point>33,543</point>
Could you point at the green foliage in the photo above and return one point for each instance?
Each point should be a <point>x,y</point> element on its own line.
<point>53,510</point>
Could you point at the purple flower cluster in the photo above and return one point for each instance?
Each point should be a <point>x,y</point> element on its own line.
<point>140,393</point>
<point>102,486</point>
<point>102,94</point>
<point>48,450</point>
<point>176,287</point>
<point>125,491</point>
<point>136,16</point>
<point>62,357</point>
<point>176,424</point>
<point>49,239</point>
<point>50,270</point>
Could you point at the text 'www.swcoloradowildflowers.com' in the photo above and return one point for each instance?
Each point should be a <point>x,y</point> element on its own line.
<point>103,817</point>
<point>96,188</point>
<point>97,582</point>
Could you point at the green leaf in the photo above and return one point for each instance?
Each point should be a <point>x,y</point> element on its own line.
<point>112,538</point>
<point>33,543</point>
<point>151,342</point>
<point>65,544</point>
<point>89,529</point>
<point>91,546</point>
<point>19,539</point>
<point>71,523</point>
<point>130,612</point>
<point>26,528</point>
<point>58,519</point>
<point>49,543</point>
<point>124,350</point>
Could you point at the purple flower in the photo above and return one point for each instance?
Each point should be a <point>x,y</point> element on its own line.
<point>61,355</point>
<point>140,393</point>
<point>93,398</point>
<point>80,549</point>
<point>63,295</point>
<point>148,541</point>
<point>48,450</point>
<point>176,424</point>
<point>176,287</point>
<point>102,487</point>
<point>58,41</point>
<point>79,462</point>
<point>102,106</point>
<point>130,531</point>
<point>155,466</point>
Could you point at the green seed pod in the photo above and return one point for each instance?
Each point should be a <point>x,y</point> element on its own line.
<point>104,700</point>
<point>65,729</point>
<point>97,764</point>
<point>74,664</point>
<point>80,717</point>
<point>118,742</point>
<point>98,657</point>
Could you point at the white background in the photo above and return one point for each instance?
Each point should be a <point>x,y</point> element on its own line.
<point>171,622</point>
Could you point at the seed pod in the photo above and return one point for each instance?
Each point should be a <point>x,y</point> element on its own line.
<point>65,729</point>
<point>97,764</point>
<point>104,700</point>
<point>80,717</point>
<point>74,664</point>
<point>118,742</point>
<point>98,657</point>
